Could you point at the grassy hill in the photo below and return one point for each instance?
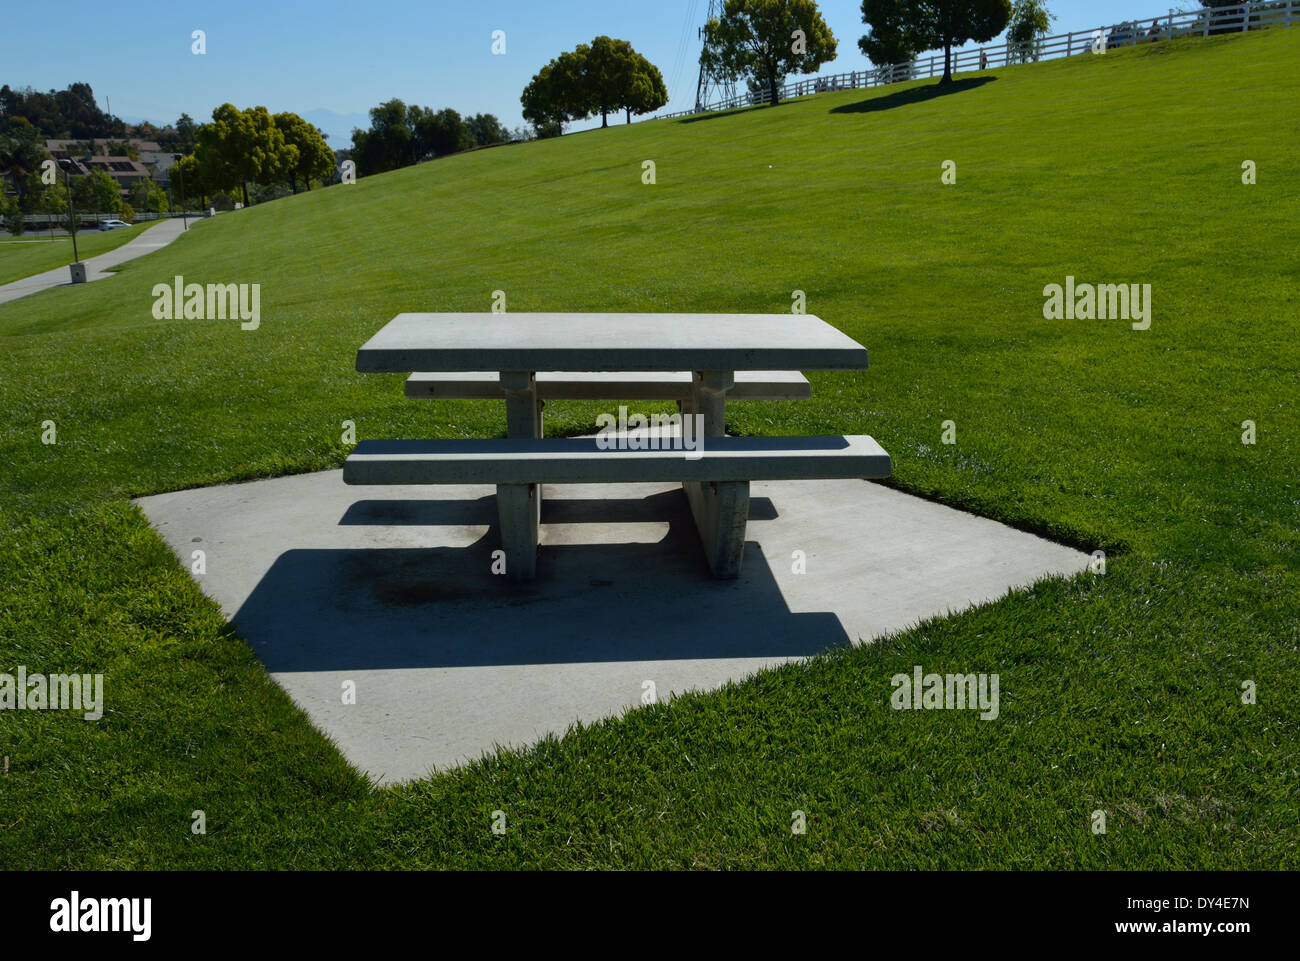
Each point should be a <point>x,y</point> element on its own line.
<point>1120,693</point>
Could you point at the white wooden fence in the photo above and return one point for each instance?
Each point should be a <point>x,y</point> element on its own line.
<point>84,217</point>
<point>1198,23</point>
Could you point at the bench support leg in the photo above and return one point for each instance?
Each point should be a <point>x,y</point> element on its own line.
<point>721,508</point>
<point>519,506</point>
<point>517,509</point>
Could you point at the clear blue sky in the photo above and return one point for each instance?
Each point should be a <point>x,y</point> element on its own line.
<point>346,56</point>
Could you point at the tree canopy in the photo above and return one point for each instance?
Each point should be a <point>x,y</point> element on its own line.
<point>600,77</point>
<point>314,157</point>
<point>1029,21</point>
<point>401,135</point>
<point>243,146</point>
<point>486,129</point>
<point>900,29</point>
<point>70,113</point>
<point>765,40</point>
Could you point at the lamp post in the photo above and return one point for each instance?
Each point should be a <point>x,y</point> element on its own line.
<point>185,223</point>
<point>77,268</point>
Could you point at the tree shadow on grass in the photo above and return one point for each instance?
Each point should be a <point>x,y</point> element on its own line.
<point>920,94</point>
<point>715,114</point>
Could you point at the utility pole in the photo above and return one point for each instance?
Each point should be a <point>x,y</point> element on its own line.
<point>77,268</point>
<point>185,223</point>
<point>709,84</point>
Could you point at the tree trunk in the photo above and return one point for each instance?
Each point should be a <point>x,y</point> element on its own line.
<point>244,187</point>
<point>293,183</point>
<point>604,117</point>
<point>629,114</point>
<point>774,94</point>
<point>947,62</point>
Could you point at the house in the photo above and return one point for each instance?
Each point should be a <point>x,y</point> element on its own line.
<point>155,160</point>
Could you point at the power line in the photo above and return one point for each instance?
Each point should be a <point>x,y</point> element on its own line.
<point>679,61</point>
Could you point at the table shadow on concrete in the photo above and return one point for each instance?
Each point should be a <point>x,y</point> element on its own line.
<point>392,608</point>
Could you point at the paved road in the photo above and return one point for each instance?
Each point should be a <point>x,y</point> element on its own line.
<point>149,241</point>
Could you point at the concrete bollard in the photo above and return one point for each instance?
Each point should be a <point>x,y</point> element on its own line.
<point>78,272</point>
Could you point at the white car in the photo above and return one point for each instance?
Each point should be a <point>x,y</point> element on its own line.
<point>112,224</point>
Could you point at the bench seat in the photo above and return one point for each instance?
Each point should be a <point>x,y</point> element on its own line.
<point>607,385</point>
<point>577,460</point>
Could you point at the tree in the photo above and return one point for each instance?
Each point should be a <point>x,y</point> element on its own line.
<point>243,146</point>
<point>60,114</point>
<point>1029,21</point>
<point>646,91</point>
<point>147,195</point>
<point>314,158</point>
<point>608,66</point>
<point>187,133</point>
<point>11,215</point>
<point>555,96</point>
<point>188,183</point>
<point>121,148</point>
<point>21,154</point>
<point>387,144</point>
<point>601,77</point>
<point>438,134</point>
<point>401,135</point>
<point>486,129</point>
<point>766,40</point>
<point>96,192</point>
<point>900,29</point>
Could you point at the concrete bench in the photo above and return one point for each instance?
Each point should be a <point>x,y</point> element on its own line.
<point>728,356</point>
<point>716,481</point>
<point>607,385</point>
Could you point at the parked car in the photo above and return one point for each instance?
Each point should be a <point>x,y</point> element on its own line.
<point>112,224</point>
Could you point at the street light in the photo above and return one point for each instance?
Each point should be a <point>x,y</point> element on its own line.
<point>77,269</point>
<point>185,223</point>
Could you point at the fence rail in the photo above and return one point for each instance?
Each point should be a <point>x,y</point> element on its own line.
<point>90,217</point>
<point>1198,23</point>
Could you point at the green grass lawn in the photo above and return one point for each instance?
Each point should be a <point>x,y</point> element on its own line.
<point>35,252</point>
<point>1120,692</point>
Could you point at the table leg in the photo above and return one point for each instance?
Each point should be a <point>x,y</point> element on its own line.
<point>720,508</point>
<point>519,505</point>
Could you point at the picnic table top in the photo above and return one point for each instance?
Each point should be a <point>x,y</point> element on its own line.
<point>608,342</point>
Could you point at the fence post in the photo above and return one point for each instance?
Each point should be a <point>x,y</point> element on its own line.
<point>1245,18</point>
<point>1069,44</point>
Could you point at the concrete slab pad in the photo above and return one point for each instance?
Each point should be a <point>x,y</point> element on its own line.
<point>392,589</point>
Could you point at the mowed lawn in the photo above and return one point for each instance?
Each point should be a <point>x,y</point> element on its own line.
<point>36,252</point>
<point>1120,692</point>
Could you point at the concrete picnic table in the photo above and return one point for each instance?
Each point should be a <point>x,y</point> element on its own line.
<point>519,345</point>
<point>711,346</point>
